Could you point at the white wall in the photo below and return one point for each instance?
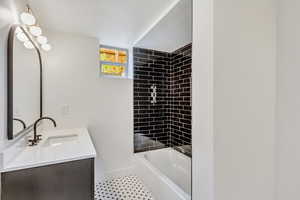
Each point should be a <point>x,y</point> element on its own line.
<point>202,112</point>
<point>105,106</point>
<point>244,98</point>
<point>236,41</point>
<point>288,137</point>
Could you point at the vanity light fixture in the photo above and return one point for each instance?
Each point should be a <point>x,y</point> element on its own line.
<point>22,37</point>
<point>42,39</point>
<point>28,18</point>
<point>33,30</point>
<point>46,47</point>
<point>18,30</point>
<point>28,45</point>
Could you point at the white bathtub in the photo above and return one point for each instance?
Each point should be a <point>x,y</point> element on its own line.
<point>166,172</point>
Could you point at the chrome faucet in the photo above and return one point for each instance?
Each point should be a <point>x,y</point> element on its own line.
<point>36,137</point>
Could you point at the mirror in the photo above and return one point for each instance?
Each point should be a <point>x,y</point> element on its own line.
<point>24,82</point>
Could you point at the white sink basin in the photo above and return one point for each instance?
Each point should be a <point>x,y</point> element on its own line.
<point>57,146</point>
<point>53,141</point>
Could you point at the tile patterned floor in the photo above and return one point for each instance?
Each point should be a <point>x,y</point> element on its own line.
<point>123,188</point>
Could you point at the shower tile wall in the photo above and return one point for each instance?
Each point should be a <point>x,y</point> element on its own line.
<point>151,130</point>
<point>180,76</point>
<point>168,122</point>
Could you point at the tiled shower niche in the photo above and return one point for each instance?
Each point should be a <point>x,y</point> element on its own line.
<point>167,122</point>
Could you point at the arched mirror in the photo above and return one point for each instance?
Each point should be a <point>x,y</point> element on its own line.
<point>24,103</point>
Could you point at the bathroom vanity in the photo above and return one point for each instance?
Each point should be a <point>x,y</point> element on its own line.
<point>60,167</point>
<point>53,165</point>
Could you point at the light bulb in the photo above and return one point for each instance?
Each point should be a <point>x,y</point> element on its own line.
<point>28,45</point>
<point>46,47</point>
<point>22,37</point>
<point>28,18</point>
<point>35,30</point>
<point>42,39</point>
<point>18,30</point>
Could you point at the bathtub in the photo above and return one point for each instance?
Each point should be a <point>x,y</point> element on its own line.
<point>166,173</point>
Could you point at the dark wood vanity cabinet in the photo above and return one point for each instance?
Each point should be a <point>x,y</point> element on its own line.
<point>65,181</point>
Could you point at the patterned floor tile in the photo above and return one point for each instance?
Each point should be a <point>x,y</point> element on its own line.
<point>123,188</point>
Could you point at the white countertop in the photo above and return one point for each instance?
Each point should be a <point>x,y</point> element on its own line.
<point>42,154</point>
